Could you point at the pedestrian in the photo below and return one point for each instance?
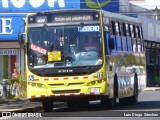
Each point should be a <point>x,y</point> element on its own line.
<point>91,44</point>
<point>15,88</point>
<point>150,73</point>
<point>4,84</point>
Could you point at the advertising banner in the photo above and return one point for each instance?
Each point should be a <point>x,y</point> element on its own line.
<point>108,5</point>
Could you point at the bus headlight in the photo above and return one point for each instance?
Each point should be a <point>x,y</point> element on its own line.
<point>96,82</point>
<point>93,82</point>
<point>37,85</point>
<point>33,84</point>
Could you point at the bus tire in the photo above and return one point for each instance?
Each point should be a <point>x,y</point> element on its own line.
<point>115,87</point>
<point>47,106</point>
<point>134,98</point>
<point>111,102</point>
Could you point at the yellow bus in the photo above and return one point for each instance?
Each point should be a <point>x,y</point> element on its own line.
<point>63,65</point>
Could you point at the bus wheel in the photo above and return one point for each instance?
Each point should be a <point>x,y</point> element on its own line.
<point>47,106</point>
<point>109,103</point>
<point>134,98</point>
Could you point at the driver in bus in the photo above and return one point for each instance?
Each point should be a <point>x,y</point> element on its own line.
<point>91,44</point>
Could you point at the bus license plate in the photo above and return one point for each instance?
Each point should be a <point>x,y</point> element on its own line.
<point>95,90</point>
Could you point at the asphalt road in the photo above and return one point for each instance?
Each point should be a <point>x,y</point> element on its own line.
<point>149,103</point>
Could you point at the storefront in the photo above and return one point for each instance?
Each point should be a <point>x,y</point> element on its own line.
<point>11,56</point>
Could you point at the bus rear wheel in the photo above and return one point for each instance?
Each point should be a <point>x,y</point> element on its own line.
<point>133,99</point>
<point>47,106</point>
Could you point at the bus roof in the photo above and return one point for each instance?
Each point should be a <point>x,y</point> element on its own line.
<point>119,17</point>
<point>111,15</point>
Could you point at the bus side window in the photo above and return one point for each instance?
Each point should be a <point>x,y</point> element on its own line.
<point>122,31</point>
<point>139,45</point>
<point>113,28</point>
<point>117,28</point>
<point>128,36</point>
<point>118,39</point>
<point>141,38</point>
<point>132,31</point>
<point>113,32</point>
<point>133,36</point>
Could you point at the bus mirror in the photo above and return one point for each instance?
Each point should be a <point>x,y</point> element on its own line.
<point>111,43</point>
<point>21,37</point>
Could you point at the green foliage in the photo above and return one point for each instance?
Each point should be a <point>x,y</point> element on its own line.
<point>21,82</point>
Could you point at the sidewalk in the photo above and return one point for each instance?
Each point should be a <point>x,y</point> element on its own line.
<point>19,105</point>
<point>27,106</point>
<point>152,89</point>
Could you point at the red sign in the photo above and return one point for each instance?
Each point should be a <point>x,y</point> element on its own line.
<point>38,49</point>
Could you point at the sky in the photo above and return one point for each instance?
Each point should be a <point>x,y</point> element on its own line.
<point>148,4</point>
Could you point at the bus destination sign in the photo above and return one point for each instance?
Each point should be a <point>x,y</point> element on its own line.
<point>67,18</point>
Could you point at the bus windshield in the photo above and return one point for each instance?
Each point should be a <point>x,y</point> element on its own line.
<point>63,46</point>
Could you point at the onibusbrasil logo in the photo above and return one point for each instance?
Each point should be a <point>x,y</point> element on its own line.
<point>95,5</point>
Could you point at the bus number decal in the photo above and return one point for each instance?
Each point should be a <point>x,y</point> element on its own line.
<point>100,75</point>
<point>88,29</point>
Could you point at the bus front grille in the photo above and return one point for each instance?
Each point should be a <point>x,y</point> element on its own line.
<point>66,84</point>
<point>65,91</point>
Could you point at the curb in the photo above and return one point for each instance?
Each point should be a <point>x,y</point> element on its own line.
<point>152,89</point>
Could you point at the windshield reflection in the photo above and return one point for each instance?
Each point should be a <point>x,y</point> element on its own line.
<point>64,46</point>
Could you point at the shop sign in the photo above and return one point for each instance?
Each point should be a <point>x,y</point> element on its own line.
<point>37,5</point>
<point>10,25</point>
<point>8,52</point>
